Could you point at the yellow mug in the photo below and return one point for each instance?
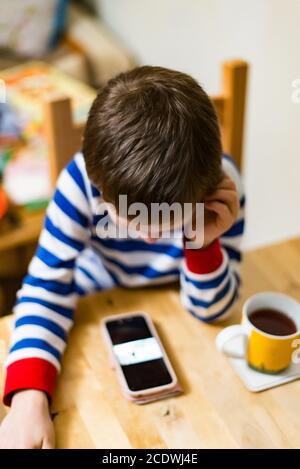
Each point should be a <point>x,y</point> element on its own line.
<point>264,352</point>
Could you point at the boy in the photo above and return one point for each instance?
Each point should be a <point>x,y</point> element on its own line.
<point>152,134</point>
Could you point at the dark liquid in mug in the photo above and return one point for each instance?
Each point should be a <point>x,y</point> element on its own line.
<point>272,322</point>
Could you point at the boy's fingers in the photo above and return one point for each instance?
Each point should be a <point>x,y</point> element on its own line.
<point>219,208</point>
<point>48,443</point>
<point>224,197</point>
<point>227,183</point>
<point>225,191</point>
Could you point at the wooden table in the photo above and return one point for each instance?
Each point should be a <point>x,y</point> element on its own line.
<point>215,410</point>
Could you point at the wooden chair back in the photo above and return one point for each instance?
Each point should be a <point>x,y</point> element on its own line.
<point>231,106</point>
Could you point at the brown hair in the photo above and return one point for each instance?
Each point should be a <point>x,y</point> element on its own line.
<point>153,134</point>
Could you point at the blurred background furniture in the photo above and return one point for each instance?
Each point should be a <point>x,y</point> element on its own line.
<point>25,165</point>
<point>66,35</point>
<point>79,44</point>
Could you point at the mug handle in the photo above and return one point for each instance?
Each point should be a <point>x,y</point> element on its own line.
<point>228,334</point>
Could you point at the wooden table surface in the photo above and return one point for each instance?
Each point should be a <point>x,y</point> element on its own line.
<point>214,411</point>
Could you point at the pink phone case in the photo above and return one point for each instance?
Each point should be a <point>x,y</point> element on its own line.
<point>148,395</point>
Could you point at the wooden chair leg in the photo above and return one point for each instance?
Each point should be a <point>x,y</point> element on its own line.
<point>63,136</point>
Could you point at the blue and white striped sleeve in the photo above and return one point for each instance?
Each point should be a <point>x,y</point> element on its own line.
<point>45,303</point>
<point>210,277</point>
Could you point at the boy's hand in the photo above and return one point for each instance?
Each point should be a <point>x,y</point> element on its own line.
<point>28,424</point>
<point>220,210</point>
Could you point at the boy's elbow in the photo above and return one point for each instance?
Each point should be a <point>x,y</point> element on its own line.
<point>216,310</point>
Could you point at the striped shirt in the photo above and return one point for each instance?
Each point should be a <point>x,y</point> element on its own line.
<point>71,261</point>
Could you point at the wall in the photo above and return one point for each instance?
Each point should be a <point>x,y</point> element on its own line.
<point>195,36</point>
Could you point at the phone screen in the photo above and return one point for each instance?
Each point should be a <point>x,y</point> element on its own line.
<point>138,353</point>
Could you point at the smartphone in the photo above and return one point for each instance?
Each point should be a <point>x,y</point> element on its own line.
<point>138,355</point>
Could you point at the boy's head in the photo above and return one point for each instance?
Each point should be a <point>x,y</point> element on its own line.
<point>153,135</point>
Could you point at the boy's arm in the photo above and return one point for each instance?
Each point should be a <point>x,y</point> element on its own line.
<point>210,279</point>
<point>45,304</point>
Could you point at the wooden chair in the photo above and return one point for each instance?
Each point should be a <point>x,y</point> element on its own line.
<point>64,137</point>
<point>231,105</point>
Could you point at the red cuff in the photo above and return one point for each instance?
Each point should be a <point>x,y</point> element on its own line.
<point>206,260</point>
<point>29,373</point>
